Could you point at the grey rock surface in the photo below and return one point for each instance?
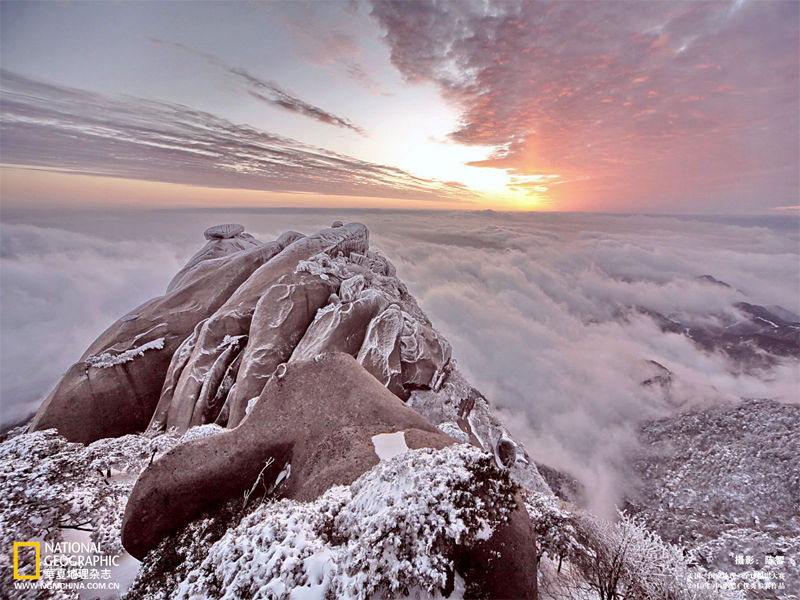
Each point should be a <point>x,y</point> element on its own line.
<point>115,386</point>
<point>319,417</point>
<point>223,240</point>
<point>234,317</point>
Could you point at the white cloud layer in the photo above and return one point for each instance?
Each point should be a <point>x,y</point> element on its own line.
<point>534,305</point>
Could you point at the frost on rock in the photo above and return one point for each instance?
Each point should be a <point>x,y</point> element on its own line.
<point>395,528</point>
<point>373,269</point>
<point>374,318</point>
<point>341,327</point>
<point>231,340</point>
<point>201,431</point>
<point>452,429</point>
<point>106,359</point>
<point>252,402</point>
<point>457,404</point>
<point>380,354</point>
<point>49,485</point>
<point>350,288</point>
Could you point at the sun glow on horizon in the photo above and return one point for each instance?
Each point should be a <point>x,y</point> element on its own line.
<point>45,188</point>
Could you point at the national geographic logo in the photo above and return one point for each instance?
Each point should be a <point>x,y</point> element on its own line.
<point>65,566</point>
<point>36,547</point>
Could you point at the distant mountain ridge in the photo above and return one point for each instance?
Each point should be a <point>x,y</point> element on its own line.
<point>758,338</point>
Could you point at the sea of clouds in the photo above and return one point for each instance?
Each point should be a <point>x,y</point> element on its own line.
<point>536,307</point>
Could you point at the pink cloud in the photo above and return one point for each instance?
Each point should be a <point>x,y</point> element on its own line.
<point>637,105</point>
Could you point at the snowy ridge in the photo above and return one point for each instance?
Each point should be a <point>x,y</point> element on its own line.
<point>393,529</point>
<point>725,481</point>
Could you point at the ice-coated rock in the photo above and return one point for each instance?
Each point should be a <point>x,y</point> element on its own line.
<point>423,354</point>
<point>223,240</point>
<point>235,315</point>
<point>351,288</point>
<point>341,327</point>
<point>380,352</point>
<point>505,452</point>
<point>209,401</point>
<point>109,398</point>
<point>457,402</point>
<point>282,315</point>
<point>179,359</point>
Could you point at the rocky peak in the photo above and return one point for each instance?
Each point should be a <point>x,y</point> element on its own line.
<point>303,350</point>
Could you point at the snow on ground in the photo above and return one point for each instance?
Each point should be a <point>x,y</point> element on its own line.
<point>392,530</point>
<point>49,486</point>
<point>389,445</point>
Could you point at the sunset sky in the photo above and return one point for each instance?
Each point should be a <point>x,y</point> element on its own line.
<point>660,107</point>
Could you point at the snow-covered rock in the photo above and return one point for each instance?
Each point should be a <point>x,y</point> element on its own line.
<point>283,370</point>
<point>320,416</point>
<point>93,402</point>
<point>408,523</point>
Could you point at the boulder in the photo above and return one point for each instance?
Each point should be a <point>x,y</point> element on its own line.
<point>314,418</point>
<point>224,232</point>
<point>281,317</point>
<point>341,327</point>
<point>114,388</point>
<point>223,240</point>
<point>234,317</point>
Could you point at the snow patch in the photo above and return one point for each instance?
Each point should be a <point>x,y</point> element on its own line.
<point>230,340</point>
<point>389,445</point>
<point>452,429</point>
<point>285,473</point>
<point>201,431</point>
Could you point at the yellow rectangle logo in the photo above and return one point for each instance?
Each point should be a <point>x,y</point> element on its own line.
<point>17,546</point>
